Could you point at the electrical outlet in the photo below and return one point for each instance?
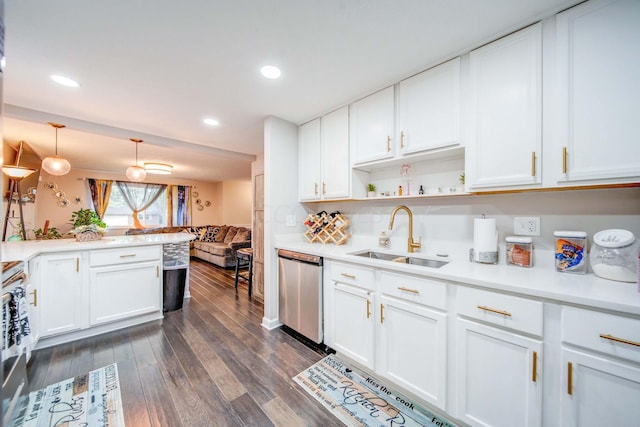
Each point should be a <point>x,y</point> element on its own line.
<point>291,220</point>
<point>526,225</point>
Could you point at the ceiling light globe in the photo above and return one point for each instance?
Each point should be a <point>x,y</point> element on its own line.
<point>55,165</point>
<point>271,72</point>
<point>136,173</point>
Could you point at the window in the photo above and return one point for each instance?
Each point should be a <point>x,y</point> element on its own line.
<point>119,214</point>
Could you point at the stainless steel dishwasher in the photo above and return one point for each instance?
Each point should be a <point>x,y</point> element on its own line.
<point>300,293</point>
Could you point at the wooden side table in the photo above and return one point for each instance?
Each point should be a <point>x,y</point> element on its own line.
<point>243,256</point>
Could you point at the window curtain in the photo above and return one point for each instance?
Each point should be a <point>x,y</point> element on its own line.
<point>100,193</point>
<point>139,197</point>
<point>182,206</point>
<point>170,204</point>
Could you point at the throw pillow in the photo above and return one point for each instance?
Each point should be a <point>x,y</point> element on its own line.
<point>221,233</point>
<point>212,233</point>
<point>242,235</point>
<point>231,233</point>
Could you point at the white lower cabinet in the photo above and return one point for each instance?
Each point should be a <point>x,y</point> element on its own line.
<point>118,292</point>
<point>498,379</point>
<point>498,362</point>
<point>412,349</point>
<point>353,323</point>
<point>600,369</point>
<point>61,308</point>
<point>33,299</point>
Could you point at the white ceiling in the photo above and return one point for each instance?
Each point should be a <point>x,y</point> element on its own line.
<point>154,69</point>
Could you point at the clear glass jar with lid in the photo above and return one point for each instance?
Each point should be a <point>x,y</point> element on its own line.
<point>614,255</point>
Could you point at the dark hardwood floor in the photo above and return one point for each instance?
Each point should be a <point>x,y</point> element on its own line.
<point>208,364</point>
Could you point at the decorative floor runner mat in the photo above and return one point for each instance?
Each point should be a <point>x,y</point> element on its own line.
<point>358,399</point>
<point>91,399</point>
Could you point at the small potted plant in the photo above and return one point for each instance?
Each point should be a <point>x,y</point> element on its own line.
<point>371,190</point>
<point>87,225</point>
<point>52,233</point>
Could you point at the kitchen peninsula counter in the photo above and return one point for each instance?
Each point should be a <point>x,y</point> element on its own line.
<point>25,250</point>
<point>80,289</point>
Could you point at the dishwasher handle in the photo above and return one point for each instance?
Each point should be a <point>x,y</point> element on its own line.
<point>300,257</point>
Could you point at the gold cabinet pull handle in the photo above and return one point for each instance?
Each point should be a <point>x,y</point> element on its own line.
<point>315,188</point>
<point>413,291</point>
<point>388,144</point>
<point>348,275</point>
<point>493,310</point>
<point>381,313</point>
<point>622,340</point>
<point>127,256</point>
<point>77,265</point>
<point>533,163</point>
<point>401,139</point>
<point>35,297</point>
<point>368,308</point>
<point>535,367</point>
<point>564,159</point>
<point>569,378</point>
<point>324,188</point>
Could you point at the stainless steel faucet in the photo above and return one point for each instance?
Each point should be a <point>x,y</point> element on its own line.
<point>411,245</point>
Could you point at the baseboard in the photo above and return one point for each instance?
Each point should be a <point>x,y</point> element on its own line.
<point>270,324</point>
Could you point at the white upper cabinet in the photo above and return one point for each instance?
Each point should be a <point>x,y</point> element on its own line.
<point>334,154</point>
<point>505,142</point>
<point>371,127</point>
<point>429,109</point>
<point>309,160</point>
<point>599,93</point>
<point>323,157</point>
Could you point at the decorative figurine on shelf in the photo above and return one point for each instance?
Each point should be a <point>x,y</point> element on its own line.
<point>404,172</point>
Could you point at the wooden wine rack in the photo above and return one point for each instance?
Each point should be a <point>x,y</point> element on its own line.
<point>325,228</point>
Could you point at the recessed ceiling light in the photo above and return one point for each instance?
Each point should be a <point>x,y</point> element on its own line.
<point>270,71</point>
<point>211,122</point>
<point>64,81</point>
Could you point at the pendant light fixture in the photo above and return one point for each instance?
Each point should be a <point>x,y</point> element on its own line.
<point>56,165</point>
<point>136,173</point>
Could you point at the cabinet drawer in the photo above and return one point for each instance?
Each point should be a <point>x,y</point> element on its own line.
<point>608,333</point>
<point>124,255</point>
<point>353,274</point>
<point>511,312</point>
<point>413,288</point>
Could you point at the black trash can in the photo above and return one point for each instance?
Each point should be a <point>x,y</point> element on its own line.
<point>174,275</point>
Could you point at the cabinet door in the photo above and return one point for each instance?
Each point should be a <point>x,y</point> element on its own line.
<point>498,377</point>
<point>429,108</point>
<point>122,291</point>
<point>61,293</point>
<point>371,125</point>
<point>353,323</point>
<point>334,154</point>
<point>309,160</point>
<point>413,348</point>
<point>505,135</point>
<point>33,299</point>
<point>597,391</point>
<point>599,96</point>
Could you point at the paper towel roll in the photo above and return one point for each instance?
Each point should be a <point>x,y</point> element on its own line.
<point>485,236</point>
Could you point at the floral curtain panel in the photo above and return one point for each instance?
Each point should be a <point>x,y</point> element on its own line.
<point>100,193</point>
<point>139,197</point>
<point>180,205</point>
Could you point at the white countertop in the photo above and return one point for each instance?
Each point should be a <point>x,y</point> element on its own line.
<point>25,250</point>
<point>541,281</point>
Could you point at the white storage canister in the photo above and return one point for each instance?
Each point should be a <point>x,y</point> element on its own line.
<point>614,255</point>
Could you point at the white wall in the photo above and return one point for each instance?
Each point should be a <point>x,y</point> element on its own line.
<point>280,200</point>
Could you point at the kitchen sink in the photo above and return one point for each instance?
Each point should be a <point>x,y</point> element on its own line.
<point>432,263</point>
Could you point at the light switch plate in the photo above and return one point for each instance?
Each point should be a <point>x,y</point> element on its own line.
<point>526,225</point>
<point>291,220</point>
